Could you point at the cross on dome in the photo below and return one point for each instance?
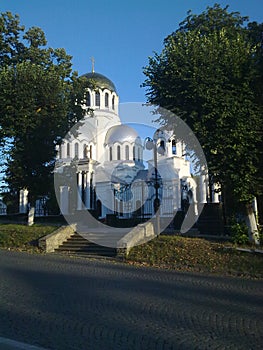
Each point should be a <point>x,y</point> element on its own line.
<point>92,64</point>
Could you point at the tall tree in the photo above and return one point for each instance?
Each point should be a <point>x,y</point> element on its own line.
<point>37,105</point>
<point>206,74</point>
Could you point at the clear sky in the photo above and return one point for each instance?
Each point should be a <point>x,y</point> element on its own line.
<point>120,34</point>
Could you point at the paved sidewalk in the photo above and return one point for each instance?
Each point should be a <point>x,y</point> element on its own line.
<point>61,303</point>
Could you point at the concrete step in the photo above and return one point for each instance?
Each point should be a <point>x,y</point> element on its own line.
<point>78,245</point>
<point>91,247</point>
<point>77,237</point>
<point>81,254</point>
<point>87,253</point>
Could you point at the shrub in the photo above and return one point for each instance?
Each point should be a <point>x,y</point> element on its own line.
<point>261,235</point>
<point>239,233</point>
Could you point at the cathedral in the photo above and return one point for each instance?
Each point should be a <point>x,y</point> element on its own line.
<point>108,159</point>
<point>100,165</point>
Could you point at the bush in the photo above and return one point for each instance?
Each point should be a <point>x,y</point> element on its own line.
<point>239,233</point>
<point>261,235</point>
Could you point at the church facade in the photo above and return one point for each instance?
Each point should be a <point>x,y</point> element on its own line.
<point>108,160</point>
<point>100,165</point>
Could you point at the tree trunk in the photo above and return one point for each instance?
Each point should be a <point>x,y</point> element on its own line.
<point>31,216</point>
<point>252,224</point>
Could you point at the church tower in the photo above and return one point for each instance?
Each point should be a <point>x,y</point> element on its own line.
<point>101,103</point>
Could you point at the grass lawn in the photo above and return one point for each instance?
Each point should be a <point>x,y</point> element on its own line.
<point>171,252</point>
<point>22,237</point>
<point>196,255</point>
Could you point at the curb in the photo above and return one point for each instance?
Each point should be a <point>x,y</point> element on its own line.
<point>9,344</point>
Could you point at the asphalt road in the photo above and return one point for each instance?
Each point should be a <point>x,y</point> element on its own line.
<point>65,303</point>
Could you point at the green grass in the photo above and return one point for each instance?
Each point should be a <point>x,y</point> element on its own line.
<point>22,237</point>
<point>196,254</point>
<point>171,252</point>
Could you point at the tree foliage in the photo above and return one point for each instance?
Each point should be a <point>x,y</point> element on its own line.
<point>37,104</point>
<point>210,74</point>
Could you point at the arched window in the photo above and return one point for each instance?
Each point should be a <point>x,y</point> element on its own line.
<point>85,151</point>
<point>127,156</point>
<point>133,153</point>
<point>161,148</point>
<point>182,147</point>
<point>173,147</point>
<point>121,208</point>
<point>118,152</point>
<point>90,151</point>
<point>97,98</point>
<point>106,99</point>
<point>88,99</point>
<point>113,102</point>
<point>99,207</point>
<point>110,153</point>
<point>68,149</point>
<point>76,149</point>
<point>139,155</point>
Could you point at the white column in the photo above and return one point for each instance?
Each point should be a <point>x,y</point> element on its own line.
<point>202,188</point>
<point>92,99</point>
<point>63,150</point>
<point>255,208</point>
<point>23,201</point>
<point>64,200</point>
<point>87,191</point>
<point>215,195</point>
<point>102,100</point>
<point>84,183</point>
<point>116,107</point>
<point>193,187</point>
<point>79,198</point>
<point>31,216</point>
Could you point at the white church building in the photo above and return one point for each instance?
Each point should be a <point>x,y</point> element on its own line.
<point>108,158</point>
<point>100,165</point>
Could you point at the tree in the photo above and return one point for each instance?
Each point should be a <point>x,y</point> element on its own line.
<point>206,75</point>
<point>37,105</point>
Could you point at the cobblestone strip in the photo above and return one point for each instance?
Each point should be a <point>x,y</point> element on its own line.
<point>76,304</point>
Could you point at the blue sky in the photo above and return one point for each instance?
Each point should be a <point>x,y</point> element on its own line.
<point>119,34</point>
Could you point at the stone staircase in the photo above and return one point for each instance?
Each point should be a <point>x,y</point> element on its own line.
<point>209,224</point>
<point>210,221</point>
<point>79,246</point>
